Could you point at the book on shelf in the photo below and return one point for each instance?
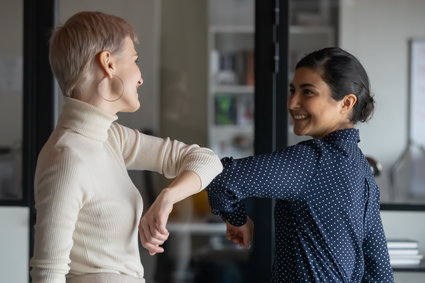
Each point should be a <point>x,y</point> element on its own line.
<point>233,67</point>
<point>406,259</point>
<point>234,109</point>
<point>225,109</point>
<point>400,252</point>
<point>402,244</point>
<point>249,70</point>
<point>245,110</point>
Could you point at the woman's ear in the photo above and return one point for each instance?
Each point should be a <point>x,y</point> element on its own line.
<point>348,102</point>
<point>106,63</point>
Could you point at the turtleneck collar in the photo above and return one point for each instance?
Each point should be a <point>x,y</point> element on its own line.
<point>86,119</point>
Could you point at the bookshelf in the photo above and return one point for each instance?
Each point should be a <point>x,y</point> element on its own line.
<point>231,82</point>
<point>231,90</point>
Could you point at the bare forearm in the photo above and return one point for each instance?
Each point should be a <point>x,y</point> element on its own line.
<point>186,184</point>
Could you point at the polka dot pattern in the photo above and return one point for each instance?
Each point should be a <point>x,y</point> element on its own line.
<point>327,219</point>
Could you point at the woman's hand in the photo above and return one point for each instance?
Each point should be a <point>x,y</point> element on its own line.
<point>152,229</point>
<point>241,235</point>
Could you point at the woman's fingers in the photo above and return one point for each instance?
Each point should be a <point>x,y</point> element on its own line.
<point>241,235</point>
<point>151,237</point>
<point>152,246</point>
<point>152,231</point>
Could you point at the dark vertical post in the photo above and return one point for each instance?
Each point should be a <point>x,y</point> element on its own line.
<point>38,92</point>
<point>271,81</point>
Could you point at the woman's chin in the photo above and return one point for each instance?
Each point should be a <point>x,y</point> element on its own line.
<point>135,108</point>
<point>298,131</point>
<point>131,108</point>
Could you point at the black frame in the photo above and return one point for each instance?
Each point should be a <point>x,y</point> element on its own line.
<point>39,20</point>
<point>271,84</point>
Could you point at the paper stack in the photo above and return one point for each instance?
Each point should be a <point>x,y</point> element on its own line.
<point>404,252</point>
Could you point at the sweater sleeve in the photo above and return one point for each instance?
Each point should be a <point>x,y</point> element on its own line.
<point>377,262</point>
<point>165,156</point>
<point>58,199</point>
<point>283,174</point>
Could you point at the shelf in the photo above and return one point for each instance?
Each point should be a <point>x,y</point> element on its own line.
<point>231,130</point>
<point>410,268</point>
<point>310,29</point>
<point>403,207</point>
<point>236,89</point>
<point>197,228</point>
<point>231,29</point>
<point>250,29</point>
<point>226,253</point>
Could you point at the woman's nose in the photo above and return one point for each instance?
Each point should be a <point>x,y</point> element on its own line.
<point>140,82</point>
<point>293,101</point>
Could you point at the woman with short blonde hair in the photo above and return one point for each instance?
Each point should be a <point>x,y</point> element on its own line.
<point>88,210</point>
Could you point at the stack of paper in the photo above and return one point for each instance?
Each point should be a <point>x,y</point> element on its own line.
<point>404,252</point>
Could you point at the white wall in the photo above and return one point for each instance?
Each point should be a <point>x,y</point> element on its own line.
<point>377,32</point>
<point>184,71</point>
<point>14,244</point>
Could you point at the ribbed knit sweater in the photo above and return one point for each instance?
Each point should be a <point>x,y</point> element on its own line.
<point>88,209</point>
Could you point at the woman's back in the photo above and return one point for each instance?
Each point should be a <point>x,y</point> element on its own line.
<point>321,233</point>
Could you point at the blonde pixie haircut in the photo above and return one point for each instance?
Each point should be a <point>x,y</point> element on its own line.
<point>75,44</point>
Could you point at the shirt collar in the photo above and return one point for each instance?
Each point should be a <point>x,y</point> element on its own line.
<point>86,119</point>
<point>343,135</point>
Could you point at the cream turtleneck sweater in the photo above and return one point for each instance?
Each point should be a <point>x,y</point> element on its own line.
<point>88,209</point>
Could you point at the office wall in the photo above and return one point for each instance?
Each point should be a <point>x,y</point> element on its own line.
<point>377,32</point>
<point>14,245</point>
<point>184,70</point>
<point>13,220</point>
<point>11,53</point>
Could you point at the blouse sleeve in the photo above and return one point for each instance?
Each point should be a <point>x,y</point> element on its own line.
<point>375,250</point>
<point>166,156</point>
<point>283,174</point>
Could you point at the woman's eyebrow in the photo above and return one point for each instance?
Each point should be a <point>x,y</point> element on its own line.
<point>307,85</point>
<point>302,85</point>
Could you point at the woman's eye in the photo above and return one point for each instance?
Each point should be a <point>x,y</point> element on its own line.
<point>307,91</point>
<point>291,91</point>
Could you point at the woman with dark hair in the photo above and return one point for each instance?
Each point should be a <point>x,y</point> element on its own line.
<point>328,225</point>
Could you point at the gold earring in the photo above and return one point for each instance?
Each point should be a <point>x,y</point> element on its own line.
<point>121,93</point>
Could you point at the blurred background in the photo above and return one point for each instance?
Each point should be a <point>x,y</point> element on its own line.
<point>206,83</point>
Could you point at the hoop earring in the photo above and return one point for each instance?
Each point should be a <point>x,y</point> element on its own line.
<point>122,90</point>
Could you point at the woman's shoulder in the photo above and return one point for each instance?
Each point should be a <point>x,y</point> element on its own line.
<point>63,147</point>
<point>311,146</point>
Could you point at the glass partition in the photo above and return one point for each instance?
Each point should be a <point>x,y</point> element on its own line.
<point>11,101</point>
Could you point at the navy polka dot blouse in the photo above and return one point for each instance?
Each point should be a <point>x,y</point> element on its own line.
<point>328,225</point>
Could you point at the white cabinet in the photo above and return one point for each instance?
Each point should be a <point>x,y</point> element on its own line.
<point>14,249</point>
